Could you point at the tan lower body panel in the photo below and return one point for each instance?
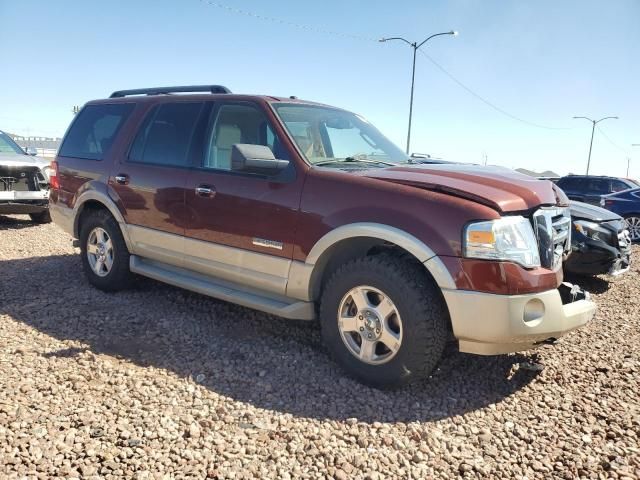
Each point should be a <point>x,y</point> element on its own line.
<point>489,324</point>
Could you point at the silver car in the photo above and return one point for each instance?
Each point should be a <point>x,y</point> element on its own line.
<point>24,181</point>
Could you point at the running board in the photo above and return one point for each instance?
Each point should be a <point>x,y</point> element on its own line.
<point>222,290</point>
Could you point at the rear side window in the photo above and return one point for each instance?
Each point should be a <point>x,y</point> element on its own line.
<point>166,135</point>
<point>94,130</point>
<point>568,183</point>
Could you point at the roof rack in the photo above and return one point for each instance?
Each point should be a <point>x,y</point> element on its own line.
<point>166,90</point>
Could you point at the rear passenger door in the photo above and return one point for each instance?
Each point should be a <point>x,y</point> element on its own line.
<point>150,181</point>
<point>242,225</point>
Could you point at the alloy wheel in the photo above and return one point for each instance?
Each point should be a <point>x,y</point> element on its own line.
<point>633,223</point>
<point>370,325</point>
<point>100,251</point>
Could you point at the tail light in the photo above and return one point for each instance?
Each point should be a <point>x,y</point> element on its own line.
<point>54,181</point>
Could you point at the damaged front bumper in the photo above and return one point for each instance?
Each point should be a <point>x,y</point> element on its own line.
<point>490,324</point>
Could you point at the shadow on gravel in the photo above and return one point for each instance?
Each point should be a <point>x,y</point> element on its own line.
<point>248,356</point>
<point>591,284</point>
<point>12,223</point>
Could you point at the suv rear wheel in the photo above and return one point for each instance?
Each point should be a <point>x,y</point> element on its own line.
<point>105,258</point>
<point>384,320</point>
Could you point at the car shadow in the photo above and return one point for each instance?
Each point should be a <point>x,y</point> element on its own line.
<point>248,356</point>
<point>13,223</point>
<point>590,283</point>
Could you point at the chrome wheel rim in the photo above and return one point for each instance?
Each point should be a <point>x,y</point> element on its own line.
<point>370,325</point>
<point>100,252</point>
<point>633,223</point>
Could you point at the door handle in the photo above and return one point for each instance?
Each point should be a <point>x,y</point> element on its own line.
<point>122,179</point>
<point>205,191</point>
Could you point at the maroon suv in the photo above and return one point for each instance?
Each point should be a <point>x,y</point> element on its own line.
<point>306,211</point>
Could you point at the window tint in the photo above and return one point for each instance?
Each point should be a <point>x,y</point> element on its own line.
<point>568,183</point>
<point>93,130</point>
<point>619,185</point>
<point>165,135</point>
<point>596,185</point>
<point>238,123</point>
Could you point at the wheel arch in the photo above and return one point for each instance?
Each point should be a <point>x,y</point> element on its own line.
<point>95,200</point>
<point>355,240</point>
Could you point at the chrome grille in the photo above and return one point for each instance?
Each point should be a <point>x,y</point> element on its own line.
<point>552,226</point>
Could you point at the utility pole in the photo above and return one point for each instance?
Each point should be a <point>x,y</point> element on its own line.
<point>415,46</point>
<point>593,129</point>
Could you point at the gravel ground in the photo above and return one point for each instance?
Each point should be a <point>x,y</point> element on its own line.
<point>161,383</point>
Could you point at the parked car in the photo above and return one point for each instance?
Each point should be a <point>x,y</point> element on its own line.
<point>627,205</point>
<point>589,188</point>
<point>600,242</point>
<point>24,182</point>
<point>306,211</point>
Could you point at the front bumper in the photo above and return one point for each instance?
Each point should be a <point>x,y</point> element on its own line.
<point>23,202</point>
<point>595,257</point>
<point>490,324</point>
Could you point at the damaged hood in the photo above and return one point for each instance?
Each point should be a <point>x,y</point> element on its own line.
<point>584,211</point>
<point>499,188</point>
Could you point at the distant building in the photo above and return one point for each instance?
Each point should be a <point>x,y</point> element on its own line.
<point>545,174</point>
<point>46,146</point>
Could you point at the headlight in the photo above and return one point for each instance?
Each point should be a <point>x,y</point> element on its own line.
<point>593,231</point>
<point>508,238</point>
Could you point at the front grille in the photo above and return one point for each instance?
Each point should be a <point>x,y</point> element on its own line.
<point>19,179</point>
<point>552,226</point>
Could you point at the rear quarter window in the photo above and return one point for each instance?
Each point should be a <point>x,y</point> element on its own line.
<point>94,129</point>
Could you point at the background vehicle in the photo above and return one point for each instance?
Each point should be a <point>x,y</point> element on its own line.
<point>24,182</point>
<point>600,242</point>
<point>627,205</point>
<point>307,211</point>
<point>589,188</point>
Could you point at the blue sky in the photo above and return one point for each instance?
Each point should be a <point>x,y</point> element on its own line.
<point>541,60</point>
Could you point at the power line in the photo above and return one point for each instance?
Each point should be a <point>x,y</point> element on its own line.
<point>324,31</point>
<point>487,102</point>
<point>622,149</point>
<point>280,21</point>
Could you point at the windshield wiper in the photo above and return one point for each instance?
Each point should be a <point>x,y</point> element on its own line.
<point>355,159</point>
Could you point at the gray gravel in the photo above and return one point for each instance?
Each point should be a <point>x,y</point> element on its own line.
<point>161,383</point>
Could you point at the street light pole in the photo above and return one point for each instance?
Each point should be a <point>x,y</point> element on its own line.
<point>593,129</point>
<point>415,47</point>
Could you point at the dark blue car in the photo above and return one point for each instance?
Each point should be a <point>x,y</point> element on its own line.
<point>627,205</point>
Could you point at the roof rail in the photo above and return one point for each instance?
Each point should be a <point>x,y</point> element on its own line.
<point>165,90</point>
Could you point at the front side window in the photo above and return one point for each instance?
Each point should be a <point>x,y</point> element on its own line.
<point>328,136</point>
<point>7,145</point>
<point>238,123</point>
<point>94,130</point>
<point>166,134</point>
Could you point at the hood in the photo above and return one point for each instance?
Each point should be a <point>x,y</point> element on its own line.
<point>584,211</point>
<point>499,188</point>
<point>15,160</point>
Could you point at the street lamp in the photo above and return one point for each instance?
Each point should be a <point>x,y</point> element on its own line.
<point>593,128</point>
<point>415,47</point>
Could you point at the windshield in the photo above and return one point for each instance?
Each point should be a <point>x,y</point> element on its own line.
<point>7,145</point>
<point>328,136</point>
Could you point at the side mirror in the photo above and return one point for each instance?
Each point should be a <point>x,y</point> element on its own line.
<point>33,151</point>
<point>255,159</point>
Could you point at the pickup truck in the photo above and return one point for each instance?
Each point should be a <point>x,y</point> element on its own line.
<point>307,211</point>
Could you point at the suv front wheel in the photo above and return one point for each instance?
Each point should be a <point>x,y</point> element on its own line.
<point>105,258</point>
<point>384,320</point>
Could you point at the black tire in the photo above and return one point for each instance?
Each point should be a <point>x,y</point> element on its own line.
<point>41,217</point>
<point>419,302</point>
<point>119,276</point>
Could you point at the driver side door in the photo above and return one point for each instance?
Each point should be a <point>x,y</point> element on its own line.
<point>241,225</point>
